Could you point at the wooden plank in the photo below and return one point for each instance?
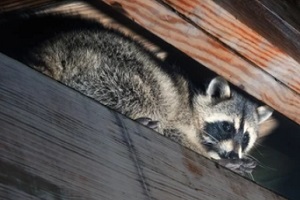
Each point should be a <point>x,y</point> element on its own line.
<point>278,21</point>
<point>214,19</point>
<point>8,6</point>
<point>212,53</point>
<point>58,144</point>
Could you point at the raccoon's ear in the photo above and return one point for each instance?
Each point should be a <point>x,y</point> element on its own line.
<point>264,112</point>
<point>218,88</point>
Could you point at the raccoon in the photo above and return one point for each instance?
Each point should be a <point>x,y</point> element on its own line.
<point>120,73</point>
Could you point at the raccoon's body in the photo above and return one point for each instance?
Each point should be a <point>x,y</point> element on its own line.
<point>119,73</point>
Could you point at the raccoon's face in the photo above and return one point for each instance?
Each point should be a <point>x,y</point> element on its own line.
<point>229,122</point>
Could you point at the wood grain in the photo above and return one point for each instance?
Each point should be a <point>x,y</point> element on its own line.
<point>215,20</point>
<point>8,6</point>
<point>278,21</point>
<point>213,54</point>
<point>58,144</point>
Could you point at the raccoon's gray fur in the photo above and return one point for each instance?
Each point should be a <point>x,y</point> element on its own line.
<point>118,72</point>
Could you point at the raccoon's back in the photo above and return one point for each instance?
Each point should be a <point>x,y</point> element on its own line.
<point>101,63</point>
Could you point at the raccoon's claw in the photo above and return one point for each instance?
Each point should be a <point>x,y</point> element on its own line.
<point>240,166</point>
<point>148,122</point>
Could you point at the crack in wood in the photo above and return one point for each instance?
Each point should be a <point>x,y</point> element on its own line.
<point>134,156</point>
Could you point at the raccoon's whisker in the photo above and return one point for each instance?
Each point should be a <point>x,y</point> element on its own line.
<point>259,152</point>
<point>259,163</point>
<point>249,156</point>
<point>257,149</point>
<point>251,176</point>
<point>267,167</point>
<point>212,137</point>
<point>258,144</point>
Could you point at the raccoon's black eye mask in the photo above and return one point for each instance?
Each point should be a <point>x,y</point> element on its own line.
<point>227,127</point>
<point>220,130</point>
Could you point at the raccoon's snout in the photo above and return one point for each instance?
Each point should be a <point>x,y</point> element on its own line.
<point>230,155</point>
<point>220,149</point>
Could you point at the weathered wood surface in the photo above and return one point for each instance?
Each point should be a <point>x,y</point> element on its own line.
<point>211,52</point>
<point>279,21</point>
<point>58,144</point>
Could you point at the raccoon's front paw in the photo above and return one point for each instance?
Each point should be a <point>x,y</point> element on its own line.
<point>248,165</point>
<point>241,166</point>
<point>146,121</point>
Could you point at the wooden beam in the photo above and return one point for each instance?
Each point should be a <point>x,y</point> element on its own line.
<point>278,21</point>
<point>216,54</point>
<point>58,144</point>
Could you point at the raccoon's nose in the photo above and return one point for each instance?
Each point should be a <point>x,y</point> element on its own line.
<point>232,155</point>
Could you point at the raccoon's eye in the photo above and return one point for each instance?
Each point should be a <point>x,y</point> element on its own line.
<point>245,140</point>
<point>227,127</point>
